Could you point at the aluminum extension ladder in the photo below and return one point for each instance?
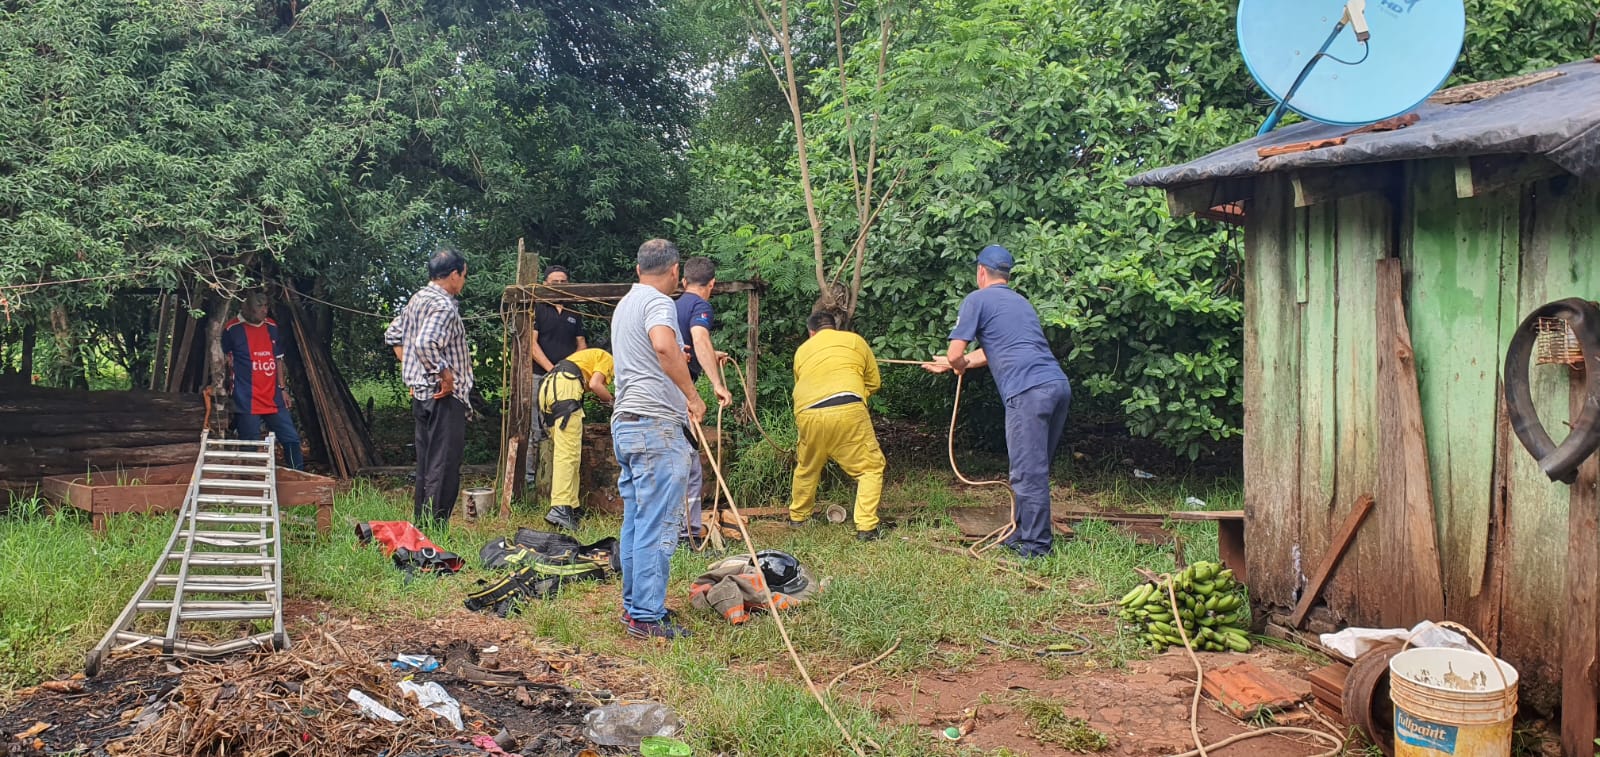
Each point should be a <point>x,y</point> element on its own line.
<point>223,562</point>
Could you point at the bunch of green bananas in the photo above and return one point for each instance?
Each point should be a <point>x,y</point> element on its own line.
<point>1211,608</point>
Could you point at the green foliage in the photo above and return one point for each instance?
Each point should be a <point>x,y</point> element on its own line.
<point>198,147</point>
<point>1016,122</point>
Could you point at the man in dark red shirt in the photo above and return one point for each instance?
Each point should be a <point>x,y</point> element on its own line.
<point>251,341</point>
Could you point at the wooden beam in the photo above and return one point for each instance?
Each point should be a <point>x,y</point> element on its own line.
<point>1294,147</point>
<point>1580,648</point>
<point>402,471</point>
<point>1317,186</point>
<point>1404,488</point>
<point>1330,559</point>
<point>752,348</point>
<point>1205,195</point>
<point>1483,174</point>
<point>607,293</point>
<point>1207,515</point>
<point>515,447</point>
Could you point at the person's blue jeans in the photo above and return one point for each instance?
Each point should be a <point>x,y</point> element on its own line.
<point>1034,420</point>
<point>694,494</point>
<point>249,427</point>
<point>653,455</point>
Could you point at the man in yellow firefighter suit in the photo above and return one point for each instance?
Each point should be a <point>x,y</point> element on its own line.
<point>834,375</point>
<point>561,403</point>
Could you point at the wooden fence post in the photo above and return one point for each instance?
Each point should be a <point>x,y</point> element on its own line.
<point>519,416</point>
<point>752,347</point>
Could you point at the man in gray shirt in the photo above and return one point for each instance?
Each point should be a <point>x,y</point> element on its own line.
<point>656,403</point>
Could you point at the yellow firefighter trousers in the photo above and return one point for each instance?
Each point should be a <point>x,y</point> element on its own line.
<point>568,442</point>
<point>843,434</point>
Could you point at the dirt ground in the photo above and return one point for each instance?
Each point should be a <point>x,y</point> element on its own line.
<point>543,710</point>
<point>1143,710</point>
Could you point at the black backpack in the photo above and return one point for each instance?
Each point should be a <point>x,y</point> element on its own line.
<point>541,563</point>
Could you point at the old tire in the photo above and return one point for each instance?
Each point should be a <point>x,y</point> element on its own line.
<point>1365,700</point>
<point>1558,461</point>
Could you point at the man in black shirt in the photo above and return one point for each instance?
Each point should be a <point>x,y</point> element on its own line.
<point>557,333</point>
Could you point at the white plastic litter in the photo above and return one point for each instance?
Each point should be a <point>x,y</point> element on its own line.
<point>1354,642</point>
<point>372,709</point>
<point>1137,473</point>
<point>1194,503</point>
<point>433,696</point>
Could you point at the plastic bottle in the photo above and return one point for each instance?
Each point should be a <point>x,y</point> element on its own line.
<point>628,724</point>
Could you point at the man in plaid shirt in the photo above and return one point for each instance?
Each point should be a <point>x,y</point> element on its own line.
<point>436,363</point>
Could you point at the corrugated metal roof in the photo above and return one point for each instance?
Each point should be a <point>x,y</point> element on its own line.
<point>1558,118</point>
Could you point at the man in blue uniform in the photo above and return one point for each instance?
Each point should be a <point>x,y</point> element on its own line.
<point>1031,383</point>
<point>696,321</point>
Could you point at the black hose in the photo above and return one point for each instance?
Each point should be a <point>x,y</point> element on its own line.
<point>1559,462</point>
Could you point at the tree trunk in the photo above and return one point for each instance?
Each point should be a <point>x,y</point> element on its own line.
<point>217,367</point>
<point>30,338</point>
<point>164,319</point>
<point>69,364</point>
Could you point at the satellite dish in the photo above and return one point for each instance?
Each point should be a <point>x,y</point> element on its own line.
<point>1346,62</point>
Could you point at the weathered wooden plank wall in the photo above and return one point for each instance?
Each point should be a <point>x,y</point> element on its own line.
<point>1316,227</point>
<point>1473,268</point>
<point>1558,260</point>
<point>1271,397</point>
<point>1362,240</point>
<point>1455,267</point>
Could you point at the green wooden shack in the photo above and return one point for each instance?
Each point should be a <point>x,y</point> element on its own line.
<point>1446,233</point>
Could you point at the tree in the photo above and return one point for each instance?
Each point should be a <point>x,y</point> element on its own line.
<point>1016,122</point>
<point>328,146</point>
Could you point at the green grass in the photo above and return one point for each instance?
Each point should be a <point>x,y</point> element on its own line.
<point>385,392</point>
<point>936,604</point>
<point>62,586</point>
<point>1050,725</point>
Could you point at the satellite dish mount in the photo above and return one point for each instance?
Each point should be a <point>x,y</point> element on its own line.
<point>1355,17</point>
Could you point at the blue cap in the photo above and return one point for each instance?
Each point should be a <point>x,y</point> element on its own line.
<point>996,257</point>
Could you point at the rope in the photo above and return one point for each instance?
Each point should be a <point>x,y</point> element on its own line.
<point>1201,747</point>
<point>528,289</point>
<point>749,404</point>
<point>62,282</point>
<point>370,314</point>
<point>772,605</point>
<point>867,664</point>
<point>713,532</point>
<point>996,537</point>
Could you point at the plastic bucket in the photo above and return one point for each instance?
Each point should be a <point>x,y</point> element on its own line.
<point>1452,702</point>
<point>479,500</point>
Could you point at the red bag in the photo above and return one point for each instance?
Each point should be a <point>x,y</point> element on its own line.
<point>410,548</point>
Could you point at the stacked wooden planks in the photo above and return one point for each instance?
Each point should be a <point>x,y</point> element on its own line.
<point>325,408</point>
<point>45,432</point>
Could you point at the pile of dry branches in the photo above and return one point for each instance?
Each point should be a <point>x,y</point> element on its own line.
<point>285,703</point>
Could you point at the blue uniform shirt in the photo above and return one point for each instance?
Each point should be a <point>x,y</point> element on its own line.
<point>1007,328</point>
<point>693,310</point>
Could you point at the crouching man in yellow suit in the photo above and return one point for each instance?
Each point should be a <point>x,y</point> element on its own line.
<point>561,402</point>
<point>834,375</point>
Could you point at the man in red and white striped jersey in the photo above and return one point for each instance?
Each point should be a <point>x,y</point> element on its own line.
<point>259,394</point>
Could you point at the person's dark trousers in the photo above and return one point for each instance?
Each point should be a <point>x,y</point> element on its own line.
<point>1034,420</point>
<point>441,437</point>
<point>249,427</point>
